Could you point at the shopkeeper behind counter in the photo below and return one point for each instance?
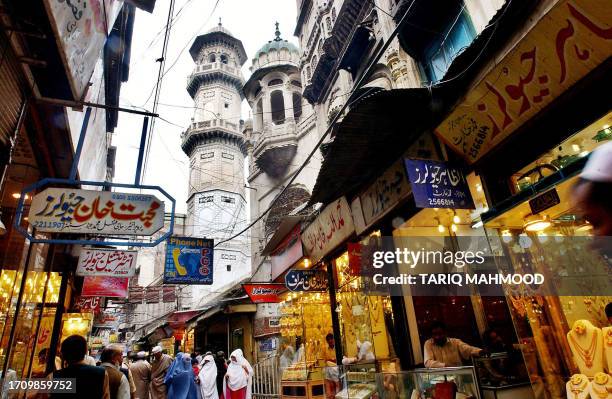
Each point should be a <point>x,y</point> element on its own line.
<point>441,351</point>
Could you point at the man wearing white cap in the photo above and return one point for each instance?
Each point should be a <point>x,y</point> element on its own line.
<point>159,367</point>
<point>593,193</point>
<point>141,373</point>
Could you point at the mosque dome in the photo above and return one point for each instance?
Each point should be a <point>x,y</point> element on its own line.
<point>277,51</point>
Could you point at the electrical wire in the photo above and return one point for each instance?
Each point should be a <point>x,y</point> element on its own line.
<point>162,63</point>
<point>185,47</point>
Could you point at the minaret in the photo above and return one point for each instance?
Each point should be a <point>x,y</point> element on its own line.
<point>216,205</point>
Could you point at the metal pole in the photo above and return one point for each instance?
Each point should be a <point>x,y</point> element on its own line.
<point>143,140</point>
<point>79,105</point>
<point>79,149</point>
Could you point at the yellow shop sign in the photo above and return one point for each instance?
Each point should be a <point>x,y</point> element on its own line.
<point>568,42</point>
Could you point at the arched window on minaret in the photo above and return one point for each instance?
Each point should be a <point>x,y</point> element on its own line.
<point>224,59</point>
<point>277,104</point>
<point>212,58</point>
<point>297,105</point>
<point>259,115</point>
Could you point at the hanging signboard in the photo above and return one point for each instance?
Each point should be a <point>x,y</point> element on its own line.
<point>306,280</point>
<point>287,252</point>
<point>264,292</point>
<point>382,196</point>
<point>88,304</point>
<point>571,40</point>
<point>81,28</point>
<point>114,287</point>
<point>106,320</point>
<point>66,210</point>
<point>333,225</point>
<point>436,184</point>
<point>189,261</point>
<point>106,262</point>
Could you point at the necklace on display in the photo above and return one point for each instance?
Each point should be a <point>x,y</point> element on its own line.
<point>375,310</point>
<point>587,355</point>
<point>609,337</point>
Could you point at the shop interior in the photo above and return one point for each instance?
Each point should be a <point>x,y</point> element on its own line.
<point>560,335</point>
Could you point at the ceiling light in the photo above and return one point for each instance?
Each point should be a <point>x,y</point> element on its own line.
<point>456,219</point>
<point>441,228</point>
<point>478,187</point>
<point>477,225</point>
<point>584,153</point>
<point>606,126</point>
<point>454,227</point>
<point>506,236</point>
<point>536,223</point>
<point>575,148</point>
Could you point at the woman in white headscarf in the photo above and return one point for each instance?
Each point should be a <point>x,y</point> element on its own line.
<point>238,377</point>
<point>208,378</point>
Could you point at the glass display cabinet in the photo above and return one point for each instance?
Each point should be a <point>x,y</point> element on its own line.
<point>305,321</point>
<point>440,383</point>
<point>503,376</point>
<point>359,381</point>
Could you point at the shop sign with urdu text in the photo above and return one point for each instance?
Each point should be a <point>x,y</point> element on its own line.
<point>106,262</point>
<point>64,210</point>
<point>306,280</point>
<point>437,184</point>
<point>571,40</point>
<point>333,225</point>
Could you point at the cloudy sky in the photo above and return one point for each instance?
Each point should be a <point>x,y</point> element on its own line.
<point>251,21</point>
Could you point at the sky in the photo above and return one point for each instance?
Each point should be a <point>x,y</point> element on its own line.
<point>251,21</point>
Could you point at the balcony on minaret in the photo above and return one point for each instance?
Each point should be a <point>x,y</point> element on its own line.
<point>206,131</point>
<point>208,72</point>
<point>276,147</point>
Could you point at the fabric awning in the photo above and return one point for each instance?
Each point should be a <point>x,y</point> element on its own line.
<point>371,136</point>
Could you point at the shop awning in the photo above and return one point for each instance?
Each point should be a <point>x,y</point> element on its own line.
<point>371,136</point>
<point>285,227</point>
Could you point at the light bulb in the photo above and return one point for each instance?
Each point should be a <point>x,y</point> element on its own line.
<point>456,219</point>
<point>441,228</point>
<point>454,227</point>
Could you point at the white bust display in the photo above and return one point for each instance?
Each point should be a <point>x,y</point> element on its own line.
<point>585,341</point>
<point>601,386</point>
<point>577,387</point>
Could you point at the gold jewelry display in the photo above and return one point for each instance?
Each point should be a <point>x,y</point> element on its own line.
<point>585,354</point>
<point>609,338</point>
<point>577,384</point>
<point>600,385</point>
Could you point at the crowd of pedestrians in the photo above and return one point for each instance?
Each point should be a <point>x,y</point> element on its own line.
<point>160,376</point>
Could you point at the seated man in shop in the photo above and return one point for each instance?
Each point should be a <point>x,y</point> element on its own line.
<point>441,351</point>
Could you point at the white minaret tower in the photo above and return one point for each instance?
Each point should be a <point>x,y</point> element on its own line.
<point>216,206</point>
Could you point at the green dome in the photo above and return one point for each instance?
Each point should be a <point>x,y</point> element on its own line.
<point>277,44</point>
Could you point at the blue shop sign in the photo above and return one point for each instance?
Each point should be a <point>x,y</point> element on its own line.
<point>438,185</point>
<point>306,280</point>
<point>189,261</point>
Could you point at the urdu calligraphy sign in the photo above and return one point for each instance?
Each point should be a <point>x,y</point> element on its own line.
<point>64,210</point>
<point>106,262</point>
<point>438,185</point>
<point>567,43</point>
<point>333,225</point>
<point>306,280</point>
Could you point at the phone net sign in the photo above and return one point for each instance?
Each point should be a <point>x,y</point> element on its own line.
<point>64,210</point>
<point>189,261</point>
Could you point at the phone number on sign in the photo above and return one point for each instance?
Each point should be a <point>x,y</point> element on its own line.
<point>59,385</point>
